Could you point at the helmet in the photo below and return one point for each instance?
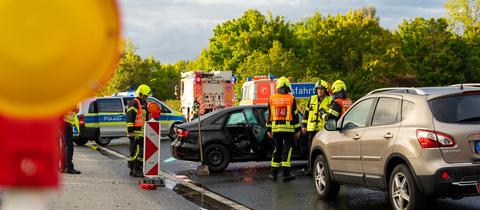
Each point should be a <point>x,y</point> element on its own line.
<point>143,90</point>
<point>322,83</point>
<point>338,86</point>
<point>283,81</point>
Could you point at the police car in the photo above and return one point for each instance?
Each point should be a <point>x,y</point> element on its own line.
<point>104,118</point>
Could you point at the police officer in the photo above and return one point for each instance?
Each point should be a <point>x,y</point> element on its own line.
<point>282,123</point>
<point>69,121</point>
<point>136,117</point>
<point>340,103</point>
<point>312,119</point>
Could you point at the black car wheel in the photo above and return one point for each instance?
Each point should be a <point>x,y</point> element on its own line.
<point>217,157</point>
<point>103,141</point>
<point>325,187</point>
<point>173,132</point>
<point>80,141</point>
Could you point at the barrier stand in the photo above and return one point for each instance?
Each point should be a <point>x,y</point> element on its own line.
<point>151,157</point>
<point>202,169</point>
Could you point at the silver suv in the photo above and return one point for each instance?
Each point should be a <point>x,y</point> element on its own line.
<point>417,143</point>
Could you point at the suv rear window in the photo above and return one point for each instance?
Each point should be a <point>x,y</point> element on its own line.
<point>456,109</point>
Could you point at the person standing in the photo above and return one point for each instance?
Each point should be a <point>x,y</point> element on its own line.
<point>69,122</point>
<point>136,118</point>
<point>281,125</point>
<point>312,119</point>
<point>340,103</point>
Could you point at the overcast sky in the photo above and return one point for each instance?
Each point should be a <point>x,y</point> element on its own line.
<point>172,30</point>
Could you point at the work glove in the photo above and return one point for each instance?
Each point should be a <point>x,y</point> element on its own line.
<point>323,113</point>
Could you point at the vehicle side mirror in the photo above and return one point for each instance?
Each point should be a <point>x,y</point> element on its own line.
<point>331,125</point>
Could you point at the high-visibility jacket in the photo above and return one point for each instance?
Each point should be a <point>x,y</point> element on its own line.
<point>136,117</point>
<point>338,107</point>
<point>283,113</point>
<point>69,118</point>
<point>312,119</point>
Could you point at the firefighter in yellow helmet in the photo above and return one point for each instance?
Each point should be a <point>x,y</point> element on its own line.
<point>136,117</point>
<point>312,119</point>
<point>340,103</point>
<point>282,124</point>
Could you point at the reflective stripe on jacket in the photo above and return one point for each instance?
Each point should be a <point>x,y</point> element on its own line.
<point>282,113</point>
<point>314,120</point>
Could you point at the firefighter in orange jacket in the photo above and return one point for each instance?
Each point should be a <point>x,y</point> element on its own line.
<point>282,123</point>
<point>136,117</point>
<point>340,103</point>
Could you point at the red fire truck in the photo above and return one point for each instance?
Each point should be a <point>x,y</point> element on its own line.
<point>208,91</point>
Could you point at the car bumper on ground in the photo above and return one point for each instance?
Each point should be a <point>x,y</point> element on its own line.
<point>185,151</point>
<point>460,182</point>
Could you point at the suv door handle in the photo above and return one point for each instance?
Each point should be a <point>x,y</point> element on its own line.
<point>356,137</point>
<point>388,135</point>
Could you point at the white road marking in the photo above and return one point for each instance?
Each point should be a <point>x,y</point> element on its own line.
<point>186,182</point>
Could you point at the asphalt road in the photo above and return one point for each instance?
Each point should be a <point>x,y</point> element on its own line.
<point>105,184</point>
<point>246,183</point>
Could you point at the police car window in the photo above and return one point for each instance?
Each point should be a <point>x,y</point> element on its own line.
<point>92,108</point>
<point>163,108</point>
<point>236,118</point>
<point>386,112</point>
<point>358,115</point>
<point>110,105</point>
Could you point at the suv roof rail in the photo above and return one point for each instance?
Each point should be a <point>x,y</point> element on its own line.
<point>399,90</point>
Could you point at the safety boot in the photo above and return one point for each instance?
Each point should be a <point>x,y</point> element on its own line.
<point>287,176</point>
<point>273,174</point>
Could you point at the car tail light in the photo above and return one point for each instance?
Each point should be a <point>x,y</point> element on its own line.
<point>81,120</point>
<point>182,133</point>
<point>445,175</point>
<point>430,139</point>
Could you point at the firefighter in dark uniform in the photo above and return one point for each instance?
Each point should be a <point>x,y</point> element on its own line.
<point>69,121</point>
<point>340,103</point>
<point>282,124</point>
<point>136,117</point>
<point>312,119</point>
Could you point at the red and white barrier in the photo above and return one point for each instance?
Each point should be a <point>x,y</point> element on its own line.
<point>151,149</point>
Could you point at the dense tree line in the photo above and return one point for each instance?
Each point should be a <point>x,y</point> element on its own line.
<point>352,47</point>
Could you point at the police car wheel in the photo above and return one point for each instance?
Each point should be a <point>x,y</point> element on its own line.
<point>103,141</point>
<point>80,141</point>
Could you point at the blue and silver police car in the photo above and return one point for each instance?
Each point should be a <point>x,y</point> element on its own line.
<point>103,118</point>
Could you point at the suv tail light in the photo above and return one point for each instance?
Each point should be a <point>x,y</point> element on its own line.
<point>182,133</point>
<point>81,120</point>
<point>430,139</point>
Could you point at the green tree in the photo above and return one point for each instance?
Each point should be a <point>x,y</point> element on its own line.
<point>352,47</point>
<point>432,50</point>
<point>235,40</point>
<point>132,70</point>
<point>464,15</point>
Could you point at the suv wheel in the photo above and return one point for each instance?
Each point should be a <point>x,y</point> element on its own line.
<point>103,141</point>
<point>403,192</point>
<point>217,157</point>
<point>325,187</point>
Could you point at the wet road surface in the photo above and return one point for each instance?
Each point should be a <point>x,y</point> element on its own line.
<point>247,184</point>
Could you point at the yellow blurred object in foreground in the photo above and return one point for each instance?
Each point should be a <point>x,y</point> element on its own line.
<point>54,53</point>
